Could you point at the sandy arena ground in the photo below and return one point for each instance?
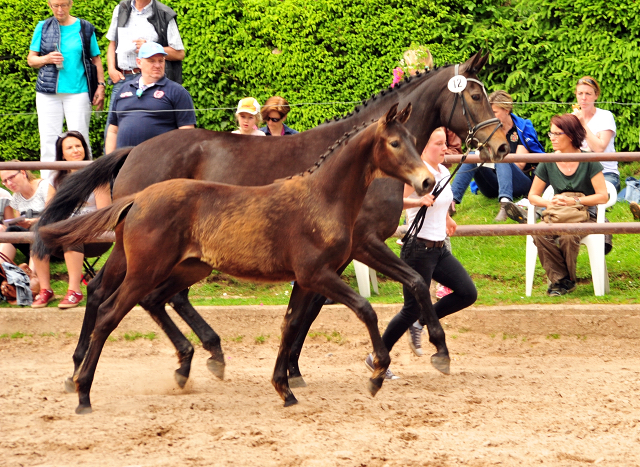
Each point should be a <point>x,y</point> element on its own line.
<point>553,386</point>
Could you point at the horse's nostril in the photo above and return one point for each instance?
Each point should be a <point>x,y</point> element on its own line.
<point>427,184</point>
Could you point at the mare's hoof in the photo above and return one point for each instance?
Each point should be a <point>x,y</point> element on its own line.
<point>69,385</point>
<point>290,400</point>
<point>374,386</point>
<point>180,379</point>
<point>297,382</point>
<point>216,367</point>
<point>442,364</point>
<point>83,410</point>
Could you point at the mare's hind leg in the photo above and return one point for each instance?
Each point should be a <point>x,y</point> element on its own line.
<point>329,284</point>
<point>99,289</point>
<point>298,304</point>
<point>209,338</point>
<point>378,255</point>
<point>313,310</point>
<point>183,276</point>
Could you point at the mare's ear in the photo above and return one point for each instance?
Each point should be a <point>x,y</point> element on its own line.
<point>475,63</point>
<point>391,114</point>
<point>404,114</point>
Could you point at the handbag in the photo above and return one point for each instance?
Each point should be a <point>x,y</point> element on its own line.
<point>7,290</point>
<point>566,214</point>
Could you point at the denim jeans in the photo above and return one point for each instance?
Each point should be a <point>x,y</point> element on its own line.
<point>507,181</point>
<point>443,267</point>
<point>614,179</point>
<point>114,92</point>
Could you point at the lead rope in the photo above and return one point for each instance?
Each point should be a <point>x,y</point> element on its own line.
<point>415,227</point>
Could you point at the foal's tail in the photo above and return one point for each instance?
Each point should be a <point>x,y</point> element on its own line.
<point>75,190</point>
<point>82,229</point>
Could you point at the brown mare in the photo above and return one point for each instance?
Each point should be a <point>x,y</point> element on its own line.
<point>299,229</point>
<point>241,160</point>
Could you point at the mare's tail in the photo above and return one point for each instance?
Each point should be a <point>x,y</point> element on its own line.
<point>75,190</point>
<point>82,229</point>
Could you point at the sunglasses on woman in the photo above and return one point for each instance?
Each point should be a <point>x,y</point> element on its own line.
<point>274,120</point>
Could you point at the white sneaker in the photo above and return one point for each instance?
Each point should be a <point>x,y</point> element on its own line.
<point>369,364</point>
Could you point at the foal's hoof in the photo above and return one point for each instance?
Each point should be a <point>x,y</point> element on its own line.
<point>83,409</point>
<point>180,379</point>
<point>290,400</point>
<point>374,386</point>
<point>297,382</point>
<point>69,385</point>
<point>216,367</point>
<point>442,364</point>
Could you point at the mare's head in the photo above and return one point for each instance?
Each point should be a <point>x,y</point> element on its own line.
<point>395,151</point>
<point>466,109</point>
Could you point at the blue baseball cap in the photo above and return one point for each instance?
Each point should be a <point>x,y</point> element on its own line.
<point>149,49</point>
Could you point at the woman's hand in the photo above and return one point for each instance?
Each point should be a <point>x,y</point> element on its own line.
<point>427,200</point>
<point>54,58</point>
<point>98,98</point>
<point>451,225</point>
<point>578,113</point>
<point>562,200</point>
<point>27,223</point>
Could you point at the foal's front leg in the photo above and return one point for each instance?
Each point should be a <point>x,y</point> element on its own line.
<point>329,284</point>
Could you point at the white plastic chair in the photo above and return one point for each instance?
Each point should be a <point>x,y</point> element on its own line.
<point>363,274</point>
<point>594,243</point>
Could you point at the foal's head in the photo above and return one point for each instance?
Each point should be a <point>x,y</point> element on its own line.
<point>395,151</point>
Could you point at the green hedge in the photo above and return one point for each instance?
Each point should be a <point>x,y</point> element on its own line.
<point>345,50</point>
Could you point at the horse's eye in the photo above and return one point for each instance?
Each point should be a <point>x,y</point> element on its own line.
<point>475,97</point>
<point>394,144</point>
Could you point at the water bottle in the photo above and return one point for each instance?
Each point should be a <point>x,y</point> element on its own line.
<point>59,66</point>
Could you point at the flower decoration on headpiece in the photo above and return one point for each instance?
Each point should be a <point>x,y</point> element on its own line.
<point>398,73</point>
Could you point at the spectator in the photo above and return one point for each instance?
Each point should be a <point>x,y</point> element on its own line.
<point>599,125</point>
<point>28,201</point>
<point>248,117</point>
<point>558,253</point>
<point>429,256</point>
<point>70,75</point>
<point>132,24</point>
<point>504,181</point>
<point>141,108</point>
<point>274,112</point>
<point>6,211</point>
<point>71,146</point>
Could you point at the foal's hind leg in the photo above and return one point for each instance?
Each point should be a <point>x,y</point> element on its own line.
<point>378,255</point>
<point>209,338</point>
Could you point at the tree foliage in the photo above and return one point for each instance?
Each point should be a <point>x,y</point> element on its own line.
<point>328,51</point>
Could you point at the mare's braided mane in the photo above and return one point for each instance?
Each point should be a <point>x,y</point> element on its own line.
<point>356,129</point>
<point>407,79</point>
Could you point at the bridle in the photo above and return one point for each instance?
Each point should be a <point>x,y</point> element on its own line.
<point>471,141</point>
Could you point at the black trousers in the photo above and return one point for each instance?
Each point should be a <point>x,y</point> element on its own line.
<point>442,266</point>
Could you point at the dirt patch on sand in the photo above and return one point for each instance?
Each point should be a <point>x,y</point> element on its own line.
<point>550,386</point>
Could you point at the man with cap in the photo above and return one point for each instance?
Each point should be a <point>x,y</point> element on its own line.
<point>140,110</point>
<point>133,23</point>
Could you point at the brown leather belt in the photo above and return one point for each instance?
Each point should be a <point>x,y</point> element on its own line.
<point>430,243</point>
<point>135,71</point>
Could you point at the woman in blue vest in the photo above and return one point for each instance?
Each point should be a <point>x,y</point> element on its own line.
<point>70,75</point>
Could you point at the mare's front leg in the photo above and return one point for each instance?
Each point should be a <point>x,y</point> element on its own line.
<point>329,284</point>
<point>293,320</point>
<point>209,338</point>
<point>376,254</point>
<point>313,310</point>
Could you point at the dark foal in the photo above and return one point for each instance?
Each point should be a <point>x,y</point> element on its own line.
<point>247,161</point>
<point>299,229</point>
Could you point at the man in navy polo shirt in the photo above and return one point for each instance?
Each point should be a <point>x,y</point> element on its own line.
<point>140,110</point>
